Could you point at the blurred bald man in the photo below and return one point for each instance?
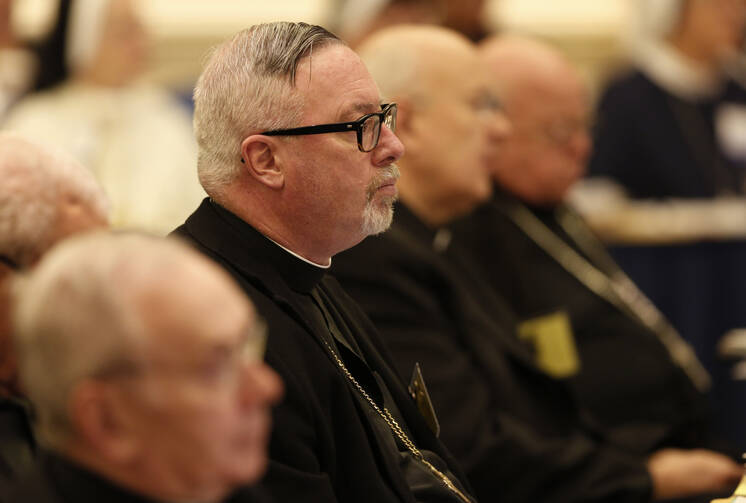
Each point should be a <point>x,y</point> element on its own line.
<point>516,431</point>
<point>585,320</point>
<point>144,362</point>
<point>45,196</point>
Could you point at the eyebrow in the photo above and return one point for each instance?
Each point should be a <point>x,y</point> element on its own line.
<point>360,109</point>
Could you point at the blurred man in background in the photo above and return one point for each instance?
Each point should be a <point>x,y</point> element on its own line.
<point>126,417</point>
<point>587,321</point>
<point>45,196</point>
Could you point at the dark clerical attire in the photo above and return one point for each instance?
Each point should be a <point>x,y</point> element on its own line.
<point>17,443</point>
<point>586,322</point>
<point>56,479</point>
<point>516,431</point>
<point>659,145</point>
<point>347,430</point>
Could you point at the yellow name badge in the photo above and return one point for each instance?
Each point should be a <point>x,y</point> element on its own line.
<point>553,341</point>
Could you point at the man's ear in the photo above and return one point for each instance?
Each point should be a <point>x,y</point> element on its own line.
<point>98,423</point>
<point>260,156</point>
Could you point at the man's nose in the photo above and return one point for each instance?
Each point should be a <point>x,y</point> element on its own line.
<point>261,386</point>
<point>390,148</point>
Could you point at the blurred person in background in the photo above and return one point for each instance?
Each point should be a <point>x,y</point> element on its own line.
<point>45,197</point>
<point>584,319</point>
<point>517,432</point>
<point>675,125</point>
<point>17,62</point>
<point>135,138</point>
<point>357,19</point>
<point>123,416</point>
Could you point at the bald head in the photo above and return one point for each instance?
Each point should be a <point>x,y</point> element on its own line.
<point>45,196</point>
<point>546,102</point>
<point>435,76</point>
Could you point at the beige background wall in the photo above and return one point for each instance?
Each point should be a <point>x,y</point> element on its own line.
<point>589,31</point>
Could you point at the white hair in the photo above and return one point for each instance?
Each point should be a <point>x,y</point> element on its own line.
<point>35,180</point>
<point>76,316</point>
<point>248,86</point>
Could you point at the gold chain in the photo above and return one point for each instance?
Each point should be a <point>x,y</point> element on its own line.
<point>391,422</point>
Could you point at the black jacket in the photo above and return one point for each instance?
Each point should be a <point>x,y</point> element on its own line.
<point>17,443</point>
<point>55,479</point>
<point>517,432</point>
<point>324,446</point>
<point>627,378</point>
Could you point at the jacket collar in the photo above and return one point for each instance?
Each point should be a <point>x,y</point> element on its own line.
<point>300,275</point>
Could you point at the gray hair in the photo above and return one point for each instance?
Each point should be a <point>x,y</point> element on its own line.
<point>247,86</point>
<point>35,180</point>
<point>76,316</point>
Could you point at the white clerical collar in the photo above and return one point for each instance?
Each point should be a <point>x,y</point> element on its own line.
<point>291,252</point>
<point>676,73</point>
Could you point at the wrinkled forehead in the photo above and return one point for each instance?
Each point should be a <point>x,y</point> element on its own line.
<point>334,82</point>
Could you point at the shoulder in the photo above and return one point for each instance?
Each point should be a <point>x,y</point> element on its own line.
<point>36,486</point>
<point>627,87</point>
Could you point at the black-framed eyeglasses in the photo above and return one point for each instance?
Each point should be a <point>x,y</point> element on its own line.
<point>367,127</point>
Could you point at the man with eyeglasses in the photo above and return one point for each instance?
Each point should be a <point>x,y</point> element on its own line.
<point>517,432</point>
<point>297,152</point>
<point>144,362</point>
<point>584,320</point>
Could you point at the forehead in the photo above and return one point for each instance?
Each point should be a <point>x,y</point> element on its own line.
<point>556,95</point>
<point>333,82</point>
<point>455,70</point>
<point>201,311</point>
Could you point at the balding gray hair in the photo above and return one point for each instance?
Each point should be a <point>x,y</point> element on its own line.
<point>35,181</point>
<point>246,87</point>
<point>76,316</point>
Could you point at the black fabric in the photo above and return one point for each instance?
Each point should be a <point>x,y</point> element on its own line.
<point>657,145</point>
<point>55,479</point>
<point>517,432</point>
<point>17,443</point>
<point>325,446</point>
<point>627,378</point>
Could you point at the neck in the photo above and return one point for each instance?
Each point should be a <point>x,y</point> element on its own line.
<point>258,212</point>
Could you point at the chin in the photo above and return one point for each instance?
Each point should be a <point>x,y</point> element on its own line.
<point>251,468</point>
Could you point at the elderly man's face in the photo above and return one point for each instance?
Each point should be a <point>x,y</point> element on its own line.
<point>344,193</point>
<point>456,129</point>
<point>199,403</point>
<point>549,146</point>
